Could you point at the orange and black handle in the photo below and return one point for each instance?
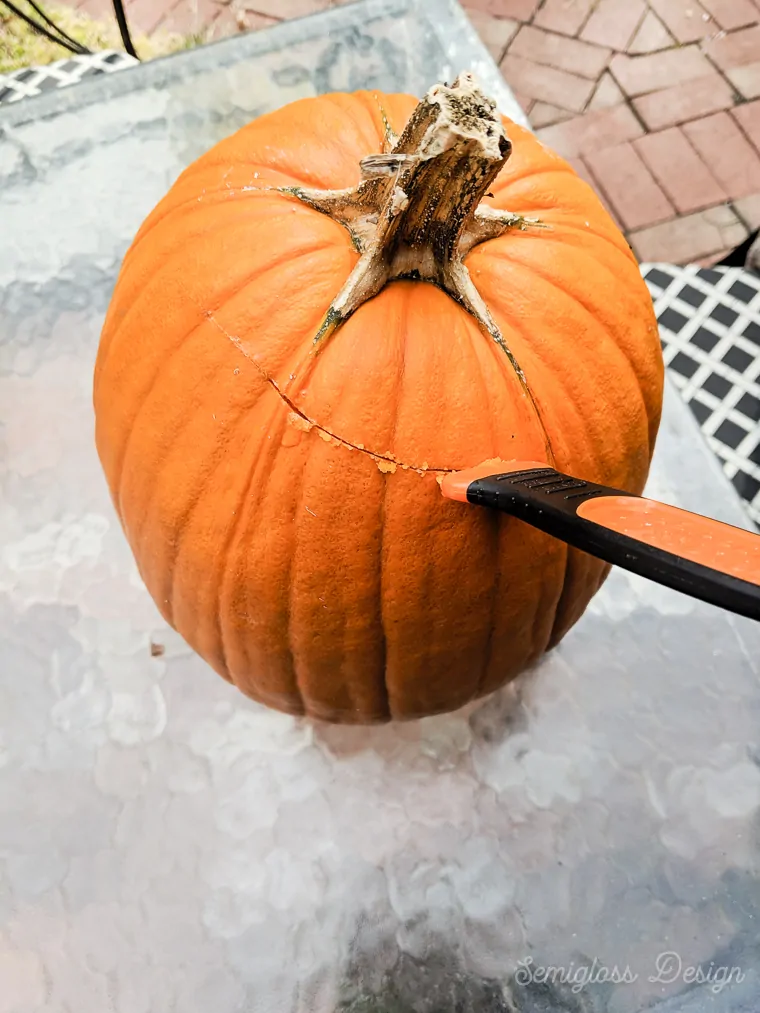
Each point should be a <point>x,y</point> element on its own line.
<point>715,562</point>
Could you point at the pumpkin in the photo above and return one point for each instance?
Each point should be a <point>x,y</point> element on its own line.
<point>329,311</point>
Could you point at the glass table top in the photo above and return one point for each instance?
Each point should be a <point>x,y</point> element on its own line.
<point>585,840</point>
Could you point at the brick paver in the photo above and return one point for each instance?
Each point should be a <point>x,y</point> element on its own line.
<point>629,187</point>
<point>148,14</point>
<point>523,10</point>
<point>185,18</point>
<point>286,9</point>
<point>651,37</point>
<point>613,22</point>
<point>670,135</point>
<point>592,132</point>
<point>639,75</point>
<point>683,102</point>
<point>731,14</point>
<point>690,238</point>
<point>558,51</point>
<point>656,103</point>
<point>548,84</point>
<point>680,171</point>
<point>748,118</point>
<point>565,16</point>
<point>95,8</point>
<point>544,115</point>
<point>497,33</point>
<point>734,49</point>
<point>748,208</point>
<point>607,93</point>
<point>687,20</point>
<point>746,79</point>
<point>732,159</point>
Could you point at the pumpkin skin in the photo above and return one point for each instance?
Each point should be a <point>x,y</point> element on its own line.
<point>299,542</point>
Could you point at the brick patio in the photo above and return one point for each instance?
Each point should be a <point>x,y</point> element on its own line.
<point>655,102</point>
<point>657,105</point>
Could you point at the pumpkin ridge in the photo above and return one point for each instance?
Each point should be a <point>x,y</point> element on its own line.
<point>208,163</point>
<point>383,516</point>
<point>193,501</point>
<point>187,515</point>
<point>183,206</point>
<point>110,333</point>
<point>534,399</point>
<point>302,694</point>
<point>390,135</point>
<point>565,587</point>
<point>348,109</point>
<point>554,222</point>
<point>393,435</point>
<point>382,549</point>
<point>138,533</point>
<point>496,527</point>
<point>235,536</point>
<point>485,393</point>
<point>166,207</point>
<point>552,371</point>
<point>607,236</point>
<point>513,177</point>
<point>383,582</point>
<point>121,466</point>
<point>549,371</point>
<point>206,316</point>
<point>568,609</point>
<point>612,343</point>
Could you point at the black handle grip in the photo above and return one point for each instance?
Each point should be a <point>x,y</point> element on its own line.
<point>550,501</point>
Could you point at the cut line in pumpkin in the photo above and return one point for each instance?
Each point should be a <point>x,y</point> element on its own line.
<point>387,462</point>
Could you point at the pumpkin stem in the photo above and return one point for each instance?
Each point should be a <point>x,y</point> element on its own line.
<point>415,214</point>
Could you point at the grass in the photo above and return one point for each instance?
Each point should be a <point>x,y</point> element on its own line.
<point>21,46</point>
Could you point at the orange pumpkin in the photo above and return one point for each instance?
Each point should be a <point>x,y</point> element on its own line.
<point>306,333</point>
